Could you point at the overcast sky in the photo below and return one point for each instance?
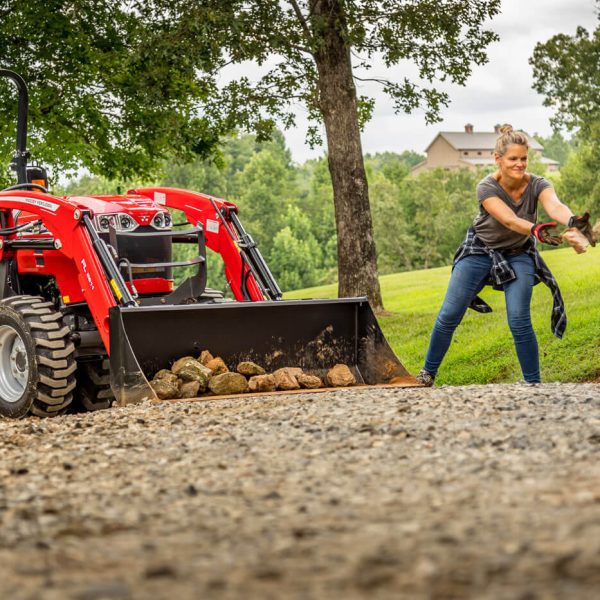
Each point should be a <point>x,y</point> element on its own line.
<point>498,92</point>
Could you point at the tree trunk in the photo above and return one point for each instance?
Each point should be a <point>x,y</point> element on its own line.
<point>357,257</point>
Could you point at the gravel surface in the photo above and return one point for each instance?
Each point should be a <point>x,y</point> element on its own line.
<point>478,491</point>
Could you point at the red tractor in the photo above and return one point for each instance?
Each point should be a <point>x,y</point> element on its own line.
<point>89,310</point>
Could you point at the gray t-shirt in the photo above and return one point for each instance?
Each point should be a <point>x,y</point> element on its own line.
<point>490,231</point>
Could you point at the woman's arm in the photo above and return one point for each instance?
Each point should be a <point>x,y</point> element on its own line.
<point>555,209</point>
<point>506,216</point>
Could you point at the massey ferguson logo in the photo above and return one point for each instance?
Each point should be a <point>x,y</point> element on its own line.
<point>144,219</point>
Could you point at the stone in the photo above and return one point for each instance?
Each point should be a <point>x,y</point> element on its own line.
<point>285,379</point>
<point>340,376</point>
<point>262,383</point>
<point>191,372</point>
<point>217,366</point>
<point>205,357</point>
<point>249,368</point>
<point>295,371</point>
<point>166,374</point>
<point>182,362</point>
<point>191,389</point>
<point>165,389</point>
<point>228,383</point>
<point>309,382</point>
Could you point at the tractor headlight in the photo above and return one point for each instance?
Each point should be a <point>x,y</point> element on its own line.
<point>162,220</point>
<point>126,222</point>
<point>120,221</point>
<point>159,220</point>
<point>103,222</point>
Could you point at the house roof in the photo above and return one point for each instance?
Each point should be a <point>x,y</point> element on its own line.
<point>478,140</point>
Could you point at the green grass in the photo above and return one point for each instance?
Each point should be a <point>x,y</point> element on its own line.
<point>482,349</point>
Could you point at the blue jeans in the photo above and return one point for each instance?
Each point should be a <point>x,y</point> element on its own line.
<point>467,277</point>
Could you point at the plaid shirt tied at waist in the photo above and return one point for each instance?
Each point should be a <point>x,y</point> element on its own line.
<point>502,273</point>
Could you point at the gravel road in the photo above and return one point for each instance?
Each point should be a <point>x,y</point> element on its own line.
<point>454,492</point>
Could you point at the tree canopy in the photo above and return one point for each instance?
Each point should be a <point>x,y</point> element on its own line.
<point>566,72</point>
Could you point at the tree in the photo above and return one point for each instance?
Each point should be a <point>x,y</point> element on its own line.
<point>160,89</point>
<point>556,146</point>
<point>296,255</point>
<point>266,189</point>
<point>565,70</point>
<point>396,244</point>
<point>439,205</point>
<point>106,90</point>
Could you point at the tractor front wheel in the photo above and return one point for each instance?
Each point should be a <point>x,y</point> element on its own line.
<point>37,365</point>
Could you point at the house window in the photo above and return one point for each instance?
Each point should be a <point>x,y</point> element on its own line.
<point>466,153</point>
<point>479,154</point>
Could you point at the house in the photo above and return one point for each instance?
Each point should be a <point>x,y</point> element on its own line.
<point>470,149</point>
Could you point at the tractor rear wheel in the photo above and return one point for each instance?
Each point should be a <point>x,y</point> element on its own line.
<point>93,385</point>
<point>37,365</point>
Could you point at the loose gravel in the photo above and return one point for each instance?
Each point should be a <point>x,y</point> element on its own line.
<point>489,492</point>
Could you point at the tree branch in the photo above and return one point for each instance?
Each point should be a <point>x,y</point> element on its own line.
<point>302,20</point>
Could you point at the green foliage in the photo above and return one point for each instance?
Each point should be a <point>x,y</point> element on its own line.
<point>266,186</point>
<point>439,205</point>
<point>316,198</point>
<point>556,146</point>
<point>565,70</point>
<point>296,255</point>
<point>107,89</point>
<point>397,246</point>
<point>579,184</point>
<point>482,349</point>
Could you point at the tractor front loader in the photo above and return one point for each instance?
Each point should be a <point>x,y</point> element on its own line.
<point>89,310</point>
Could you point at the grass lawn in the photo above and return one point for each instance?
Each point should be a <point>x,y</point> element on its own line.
<point>482,350</point>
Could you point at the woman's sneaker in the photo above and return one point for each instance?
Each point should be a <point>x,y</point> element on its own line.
<point>425,378</point>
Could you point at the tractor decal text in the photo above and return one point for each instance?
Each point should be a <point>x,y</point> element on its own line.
<point>51,206</point>
<point>89,277</point>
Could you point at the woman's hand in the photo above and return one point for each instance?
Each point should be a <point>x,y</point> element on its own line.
<point>583,224</point>
<point>575,239</point>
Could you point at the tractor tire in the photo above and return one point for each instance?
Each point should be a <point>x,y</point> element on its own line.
<point>93,386</point>
<point>37,365</point>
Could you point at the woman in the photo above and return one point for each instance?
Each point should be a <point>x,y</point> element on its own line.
<point>500,249</point>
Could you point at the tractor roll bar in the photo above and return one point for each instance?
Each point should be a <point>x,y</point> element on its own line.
<point>19,161</point>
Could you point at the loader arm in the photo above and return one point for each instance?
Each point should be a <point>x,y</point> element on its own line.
<point>69,234</point>
<point>246,272</point>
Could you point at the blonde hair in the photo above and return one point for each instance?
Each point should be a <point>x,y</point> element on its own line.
<point>508,137</point>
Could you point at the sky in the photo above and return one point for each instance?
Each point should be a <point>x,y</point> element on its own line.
<point>498,92</point>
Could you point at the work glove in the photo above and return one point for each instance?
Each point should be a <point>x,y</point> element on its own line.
<point>543,232</point>
<point>583,224</point>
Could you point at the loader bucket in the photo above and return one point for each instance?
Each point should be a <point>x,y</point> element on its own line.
<point>311,334</point>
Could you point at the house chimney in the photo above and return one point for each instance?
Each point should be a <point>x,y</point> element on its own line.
<point>497,128</point>
<point>468,128</point>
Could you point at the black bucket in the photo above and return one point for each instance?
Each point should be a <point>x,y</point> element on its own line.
<point>311,334</point>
